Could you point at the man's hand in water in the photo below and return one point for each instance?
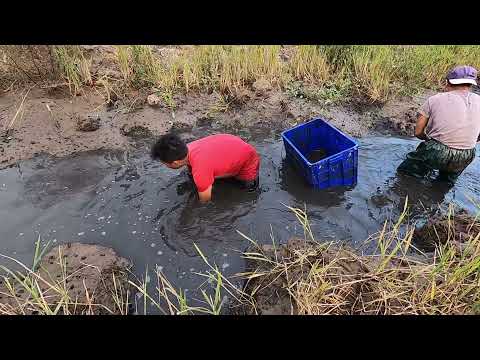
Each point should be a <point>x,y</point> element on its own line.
<point>206,195</point>
<point>420,126</point>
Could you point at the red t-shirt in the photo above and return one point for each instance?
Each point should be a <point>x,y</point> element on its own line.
<point>220,156</point>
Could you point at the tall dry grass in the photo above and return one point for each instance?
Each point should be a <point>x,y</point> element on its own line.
<point>74,66</point>
<point>374,72</point>
<point>34,291</point>
<point>327,279</point>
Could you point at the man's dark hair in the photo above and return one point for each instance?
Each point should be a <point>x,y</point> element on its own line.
<point>169,148</point>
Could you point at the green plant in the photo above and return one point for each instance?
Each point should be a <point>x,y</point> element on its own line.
<point>167,97</point>
<point>74,66</point>
<point>310,64</point>
<point>374,71</point>
<point>124,61</point>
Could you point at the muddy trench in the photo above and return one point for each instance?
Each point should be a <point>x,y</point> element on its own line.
<point>149,214</point>
<point>71,174</point>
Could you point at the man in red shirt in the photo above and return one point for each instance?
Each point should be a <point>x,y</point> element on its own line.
<point>212,157</point>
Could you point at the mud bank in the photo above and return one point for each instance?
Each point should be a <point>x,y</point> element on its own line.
<point>79,278</point>
<point>299,277</point>
<point>441,228</point>
<point>51,121</point>
<point>308,278</point>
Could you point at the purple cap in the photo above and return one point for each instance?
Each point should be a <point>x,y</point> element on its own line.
<point>462,75</point>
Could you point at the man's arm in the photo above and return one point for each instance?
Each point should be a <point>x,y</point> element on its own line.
<point>420,126</point>
<point>205,196</point>
<point>203,179</point>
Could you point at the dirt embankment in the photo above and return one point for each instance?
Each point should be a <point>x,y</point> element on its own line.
<point>440,229</point>
<point>306,278</point>
<point>73,279</point>
<point>296,278</point>
<point>53,122</point>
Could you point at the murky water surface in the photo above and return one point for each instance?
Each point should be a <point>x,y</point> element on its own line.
<point>149,214</point>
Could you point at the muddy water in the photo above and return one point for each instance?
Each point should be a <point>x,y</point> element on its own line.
<point>149,213</point>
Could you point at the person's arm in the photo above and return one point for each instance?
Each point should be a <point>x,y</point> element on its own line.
<point>420,126</point>
<point>203,178</point>
<point>205,196</point>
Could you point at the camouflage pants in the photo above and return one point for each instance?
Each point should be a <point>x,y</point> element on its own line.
<point>433,155</point>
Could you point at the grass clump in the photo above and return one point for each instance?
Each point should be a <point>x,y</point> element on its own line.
<point>172,301</point>
<point>46,290</point>
<point>74,66</point>
<point>224,68</point>
<point>304,277</point>
<point>37,290</point>
<point>376,73</point>
<point>426,66</point>
<point>145,67</point>
<point>310,64</point>
<point>373,71</point>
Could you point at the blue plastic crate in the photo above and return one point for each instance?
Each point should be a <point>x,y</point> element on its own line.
<point>338,168</point>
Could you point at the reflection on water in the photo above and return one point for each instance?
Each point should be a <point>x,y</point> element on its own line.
<point>423,194</point>
<point>150,213</point>
<point>302,193</point>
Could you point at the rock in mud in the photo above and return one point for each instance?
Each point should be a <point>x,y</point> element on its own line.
<point>135,131</point>
<point>240,97</point>
<point>6,136</point>
<point>261,86</point>
<point>180,127</point>
<point>406,125</point>
<point>87,275</point>
<point>88,123</point>
<point>112,101</point>
<point>204,121</point>
<point>110,73</point>
<point>153,100</point>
